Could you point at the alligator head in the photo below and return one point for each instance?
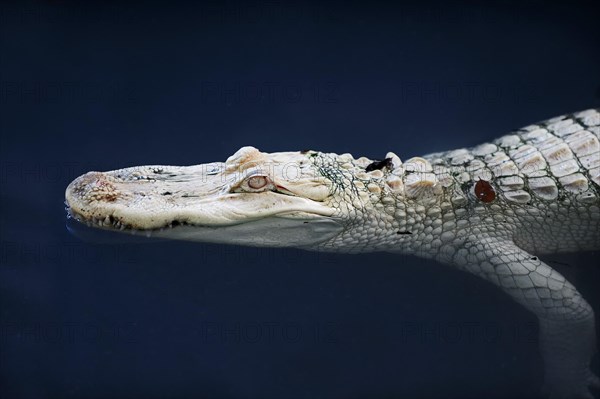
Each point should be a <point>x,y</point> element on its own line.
<point>254,198</point>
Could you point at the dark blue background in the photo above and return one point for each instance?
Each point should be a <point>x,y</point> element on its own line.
<point>87,86</point>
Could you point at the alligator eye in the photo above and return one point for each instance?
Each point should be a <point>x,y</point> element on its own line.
<point>254,183</point>
<point>257,182</point>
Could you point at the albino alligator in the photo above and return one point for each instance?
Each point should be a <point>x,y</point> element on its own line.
<point>489,210</point>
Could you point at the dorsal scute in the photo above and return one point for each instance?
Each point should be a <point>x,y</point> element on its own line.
<point>418,164</point>
<point>420,185</point>
<point>394,159</point>
<point>418,179</point>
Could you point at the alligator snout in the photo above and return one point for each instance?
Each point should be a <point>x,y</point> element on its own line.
<point>92,187</point>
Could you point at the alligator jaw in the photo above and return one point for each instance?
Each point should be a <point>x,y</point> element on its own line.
<point>201,203</point>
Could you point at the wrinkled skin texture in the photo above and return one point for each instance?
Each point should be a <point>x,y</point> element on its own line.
<point>489,210</point>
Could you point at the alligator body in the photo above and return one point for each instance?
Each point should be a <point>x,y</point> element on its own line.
<point>489,210</point>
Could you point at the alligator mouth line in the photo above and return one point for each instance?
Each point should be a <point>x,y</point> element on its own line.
<point>107,222</point>
<point>111,222</point>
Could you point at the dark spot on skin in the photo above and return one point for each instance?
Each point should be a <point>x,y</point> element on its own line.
<point>484,191</point>
<point>534,258</point>
<point>175,223</point>
<point>166,193</point>
<point>378,165</point>
<point>305,222</point>
<point>403,232</point>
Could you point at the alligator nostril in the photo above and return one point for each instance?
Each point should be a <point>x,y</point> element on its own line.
<point>93,186</point>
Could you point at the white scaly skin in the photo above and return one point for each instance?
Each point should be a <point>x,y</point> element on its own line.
<point>543,197</point>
